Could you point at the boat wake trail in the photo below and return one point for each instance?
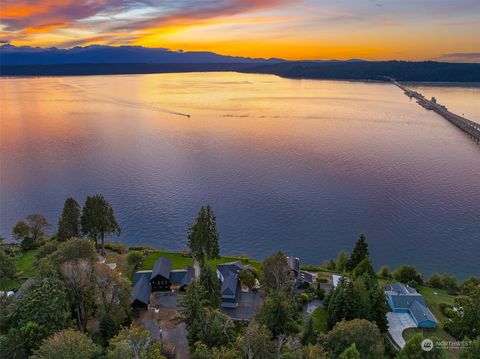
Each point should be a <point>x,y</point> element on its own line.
<point>121,102</point>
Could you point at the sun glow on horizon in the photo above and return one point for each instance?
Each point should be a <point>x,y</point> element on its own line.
<point>293,30</point>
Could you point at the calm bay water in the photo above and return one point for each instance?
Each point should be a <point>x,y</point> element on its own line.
<point>297,165</point>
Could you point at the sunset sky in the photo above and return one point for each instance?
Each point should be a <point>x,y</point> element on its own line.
<point>289,29</point>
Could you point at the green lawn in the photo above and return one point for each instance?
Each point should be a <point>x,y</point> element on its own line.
<point>25,268</point>
<point>179,261</point>
<point>319,317</point>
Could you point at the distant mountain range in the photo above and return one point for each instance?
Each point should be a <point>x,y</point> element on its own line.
<point>98,54</point>
<point>107,60</point>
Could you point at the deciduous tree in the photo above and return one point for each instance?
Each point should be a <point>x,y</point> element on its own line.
<point>134,343</point>
<point>277,275</point>
<point>68,344</point>
<point>413,349</point>
<point>79,280</point>
<point>365,335</point>
<point>256,342</point>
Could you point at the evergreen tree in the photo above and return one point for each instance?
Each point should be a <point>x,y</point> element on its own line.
<point>211,284</point>
<point>277,314</point>
<point>69,223</point>
<point>359,253</point>
<point>340,264</point>
<point>203,236</point>
<point>98,220</point>
<point>309,336</point>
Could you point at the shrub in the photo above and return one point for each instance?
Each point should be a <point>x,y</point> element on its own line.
<point>320,292</point>
<point>46,249</point>
<point>115,247</point>
<point>408,275</point>
<point>330,264</point>
<point>322,280</point>
<point>28,243</point>
<point>304,285</point>
<point>384,272</point>
<point>137,248</point>
<point>186,252</point>
<point>135,259</point>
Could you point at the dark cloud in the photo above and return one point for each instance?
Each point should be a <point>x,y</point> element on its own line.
<point>462,55</point>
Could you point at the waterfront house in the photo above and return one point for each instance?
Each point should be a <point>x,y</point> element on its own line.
<point>141,289</point>
<point>301,277</point>
<point>405,299</point>
<point>230,290</point>
<point>160,278</point>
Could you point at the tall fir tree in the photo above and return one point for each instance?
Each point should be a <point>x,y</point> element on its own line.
<point>203,236</point>
<point>359,253</point>
<point>211,284</point>
<point>69,224</point>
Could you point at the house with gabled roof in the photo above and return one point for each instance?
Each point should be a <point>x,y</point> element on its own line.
<point>160,278</point>
<point>404,299</point>
<point>141,289</point>
<point>230,290</point>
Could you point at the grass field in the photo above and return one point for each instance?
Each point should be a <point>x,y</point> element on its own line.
<point>179,261</point>
<point>319,317</point>
<point>25,268</point>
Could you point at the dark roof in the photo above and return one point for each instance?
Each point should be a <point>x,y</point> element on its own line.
<point>162,267</point>
<point>141,287</point>
<point>230,285</point>
<point>227,269</point>
<point>182,276</point>
<point>306,277</point>
<point>294,263</point>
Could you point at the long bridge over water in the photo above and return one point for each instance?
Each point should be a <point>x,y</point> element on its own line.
<point>470,127</point>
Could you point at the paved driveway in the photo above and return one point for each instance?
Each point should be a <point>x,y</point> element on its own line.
<point>247,306</point>
<point>397,323</point>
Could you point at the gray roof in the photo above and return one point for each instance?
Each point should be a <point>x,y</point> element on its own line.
<point>294,263</point>
<point>162,267</point>
<point>306,277</point>
<point>230,286</point>
<point>421,313</point>
<point>227,269</point>
<point>182,276</point>
<point>141,287</point>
